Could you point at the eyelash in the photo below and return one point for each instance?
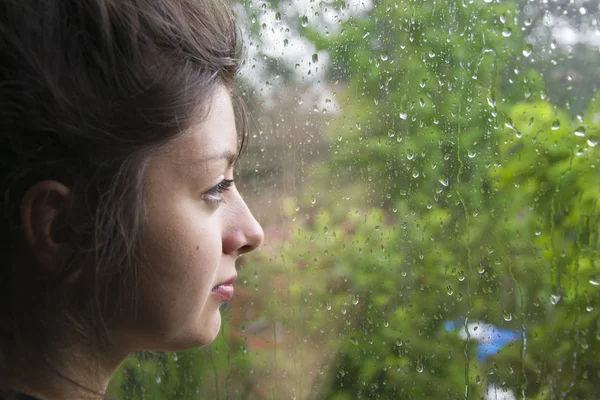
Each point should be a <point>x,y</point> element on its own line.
<point>213,194</point>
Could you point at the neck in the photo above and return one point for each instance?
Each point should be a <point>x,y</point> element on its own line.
<point>73,372</point>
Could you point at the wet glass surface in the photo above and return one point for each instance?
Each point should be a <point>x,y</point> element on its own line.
<point>427,175</point>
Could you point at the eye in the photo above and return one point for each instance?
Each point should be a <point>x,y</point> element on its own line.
<point>213,195</point>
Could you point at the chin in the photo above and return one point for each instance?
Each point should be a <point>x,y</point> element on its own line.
<point>203,332</point>
<point>209,329</point>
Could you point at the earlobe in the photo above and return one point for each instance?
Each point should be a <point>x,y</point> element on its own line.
<point>42,219</point>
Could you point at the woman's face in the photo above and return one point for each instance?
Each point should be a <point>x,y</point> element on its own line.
<point>198,225</point>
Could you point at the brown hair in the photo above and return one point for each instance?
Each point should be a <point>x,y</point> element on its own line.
<point>88,90</point>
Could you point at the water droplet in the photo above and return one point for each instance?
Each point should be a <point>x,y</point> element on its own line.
<point>592,143</point>
<point>594,281</point>
<point>472,154</point>
<point>304,21</point>
<point>461,275</point>
<point>509,124</point>
<point>431,54</point>
<point>507,316</point>
<point>419,365</point>
<point>423,83</point>
<point>158,380</point>
<point>491,102</point>
<point>580,131</point>
<point>403,116</point>
<point>355,299</point>
<point>449,291</point>
<point>328,306</point>
<point>384,56</point>
<point>555,125</point>
<point>589,308</point>
<point>582,10</point>
<point>444,182</point>
<point>315,58</point>
<point>285,42</point>
<point>507,32</point>
<point>527,49</point>
<point>555,298</point>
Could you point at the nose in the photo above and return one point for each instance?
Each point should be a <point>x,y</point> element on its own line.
<point>243,233</point>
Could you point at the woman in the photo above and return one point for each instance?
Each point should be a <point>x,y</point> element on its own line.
<point>119,217</point>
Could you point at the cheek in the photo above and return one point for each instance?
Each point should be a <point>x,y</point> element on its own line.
<point>184,252</point>
<point>188,251</point>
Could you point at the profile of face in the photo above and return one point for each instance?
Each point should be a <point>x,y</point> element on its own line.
<point>197,226</point>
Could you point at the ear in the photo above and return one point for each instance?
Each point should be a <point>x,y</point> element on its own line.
<point>43,222</point>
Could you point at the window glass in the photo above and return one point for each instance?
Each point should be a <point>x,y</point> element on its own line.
<point>427,173</point>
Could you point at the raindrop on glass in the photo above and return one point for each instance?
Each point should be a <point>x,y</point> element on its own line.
<point>304,21</point>
<point>419,366</point>
<point>509,124</point>
<point>580,131</point>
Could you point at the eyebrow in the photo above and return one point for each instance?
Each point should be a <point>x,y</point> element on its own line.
<point>227,155</point>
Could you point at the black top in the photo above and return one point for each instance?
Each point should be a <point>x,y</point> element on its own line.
<point>18,396</point>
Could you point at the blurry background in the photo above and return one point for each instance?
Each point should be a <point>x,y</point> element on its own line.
<point>427,175</point>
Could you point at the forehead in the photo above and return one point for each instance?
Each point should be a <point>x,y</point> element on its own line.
<point>214,137</point>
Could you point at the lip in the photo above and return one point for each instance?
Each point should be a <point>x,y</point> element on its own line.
<point>224,290</point>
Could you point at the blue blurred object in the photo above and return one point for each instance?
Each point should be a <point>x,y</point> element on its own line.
<point>499,339</point>
<point>491,339</point>
<point>450,326</point>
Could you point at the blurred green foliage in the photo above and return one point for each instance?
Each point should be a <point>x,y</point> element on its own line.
<point>454,190</point>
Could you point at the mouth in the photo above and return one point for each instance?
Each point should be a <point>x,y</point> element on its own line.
<point>224,291</point>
